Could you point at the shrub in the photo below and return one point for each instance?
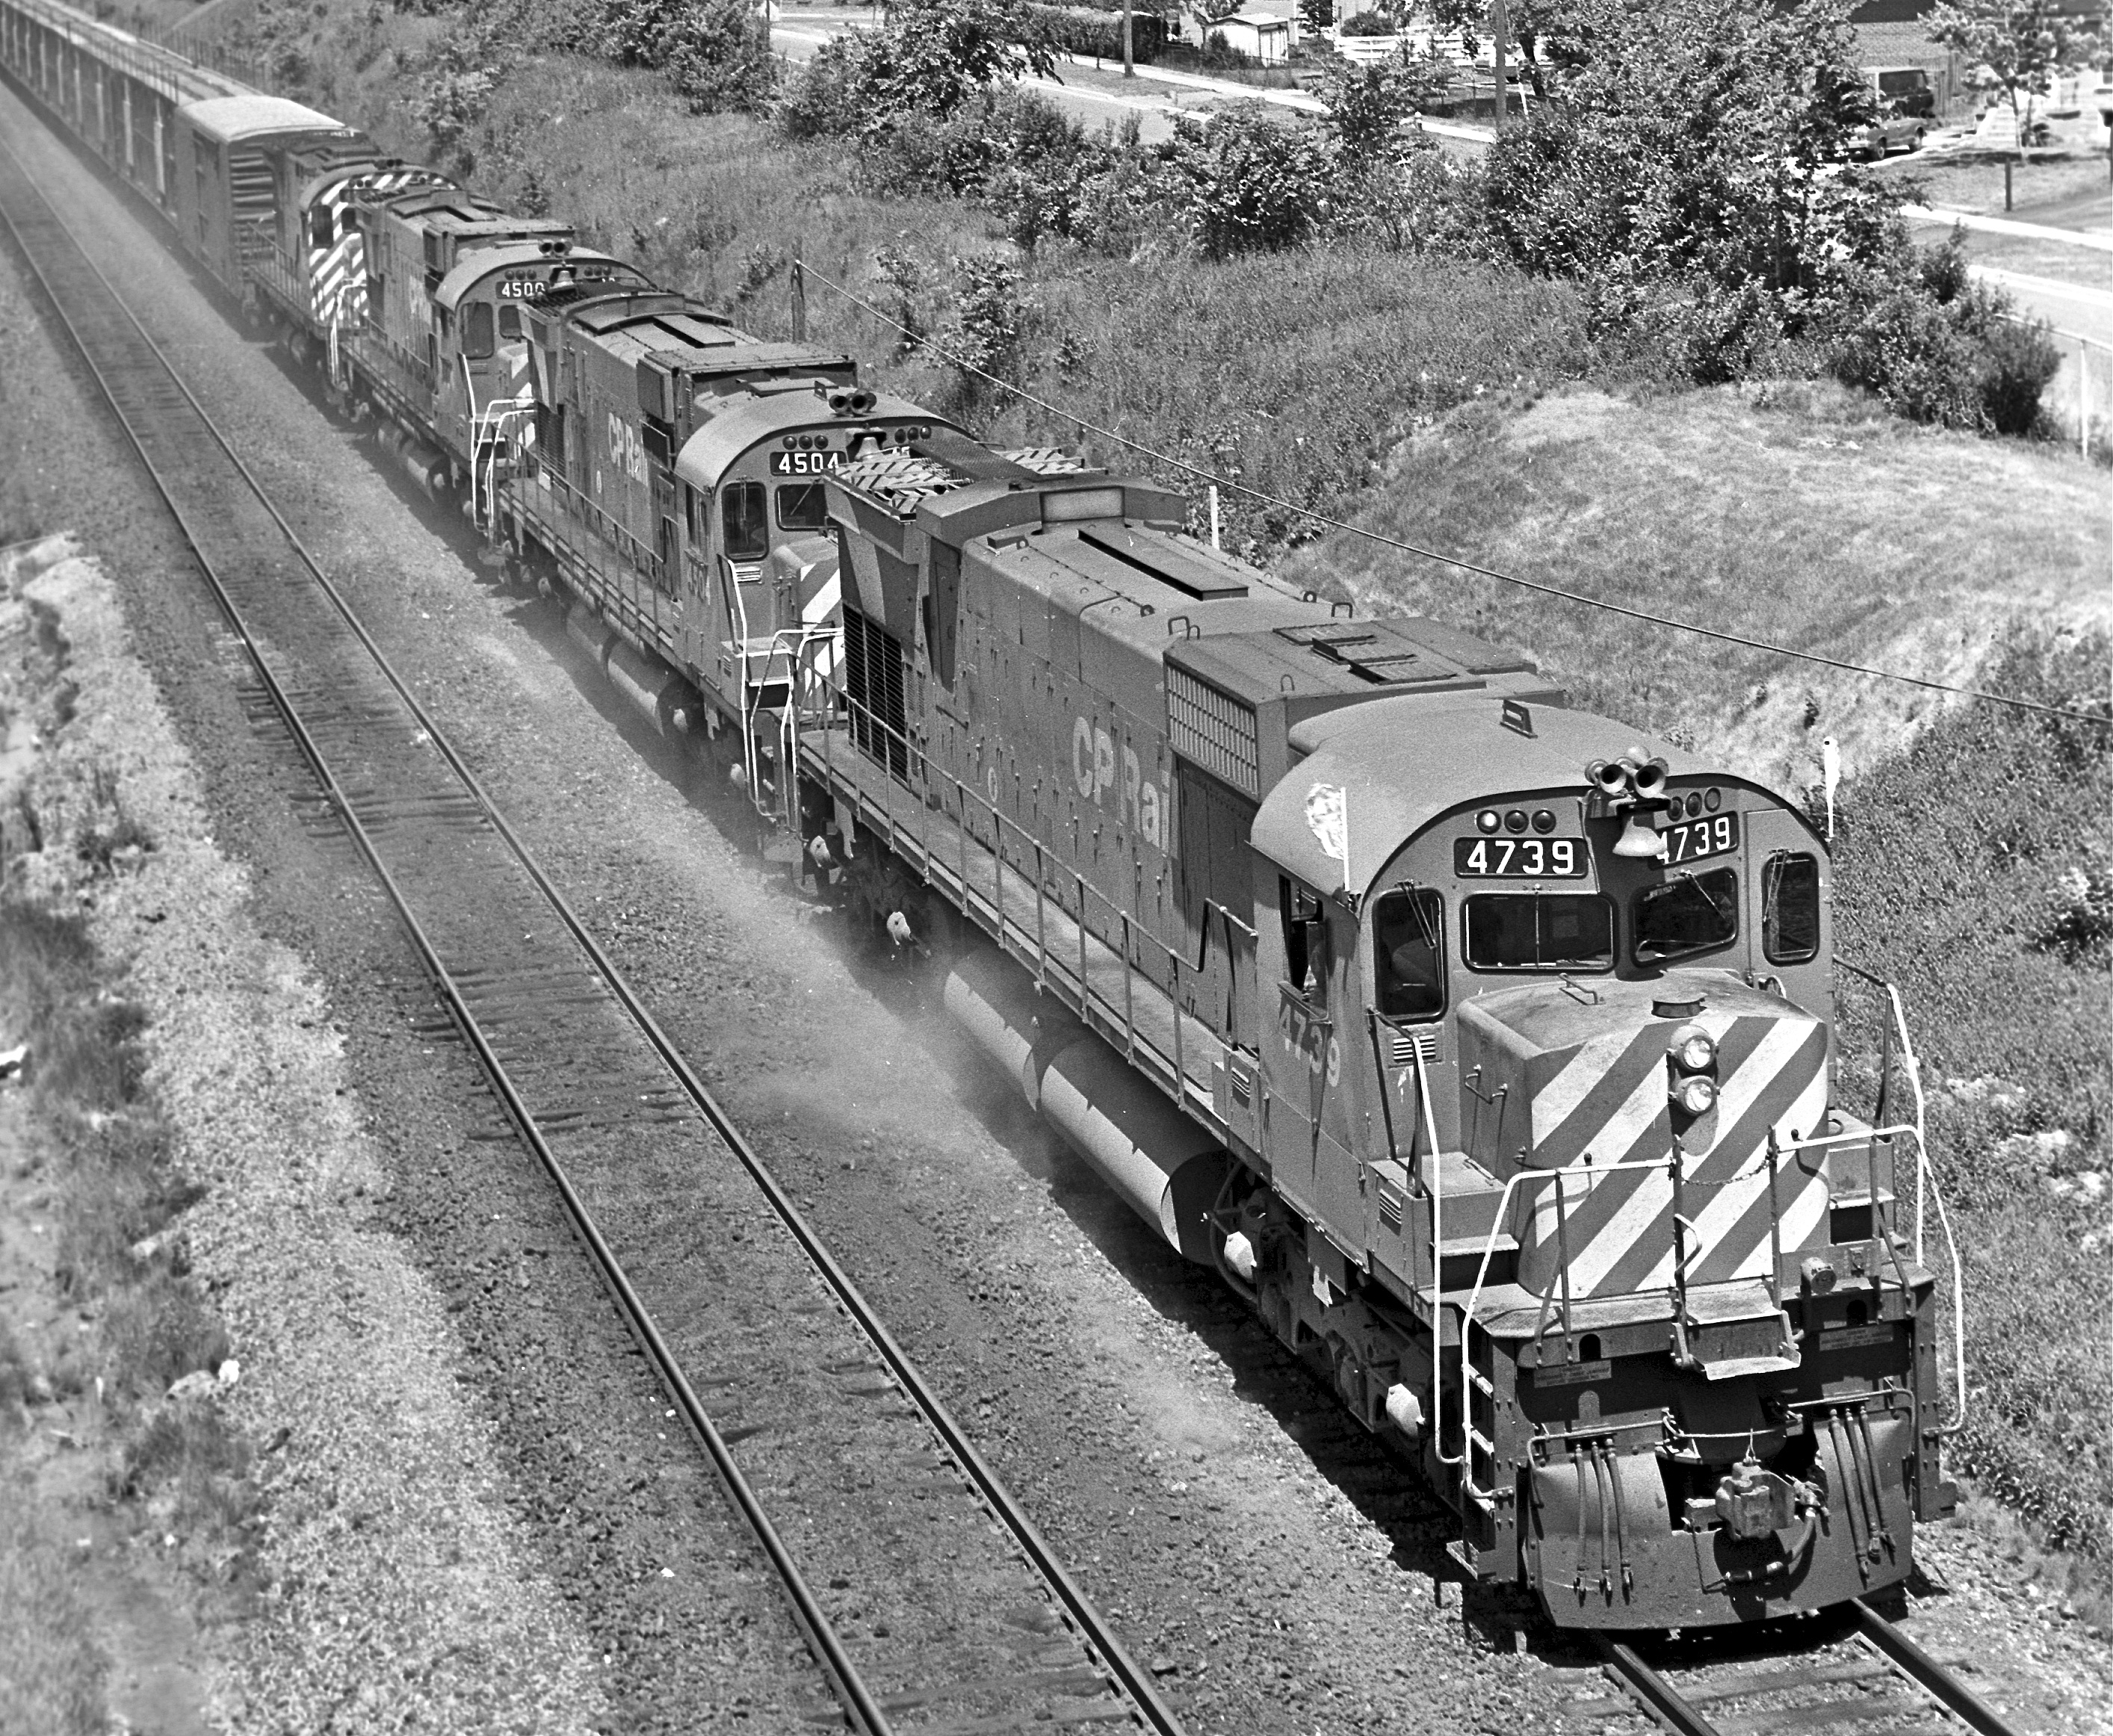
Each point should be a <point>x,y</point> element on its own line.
<point>1248,183</point>
<point>1376,23</point>
<point>2015,364</point>
<point>989,331</point>
<point>719,59</point>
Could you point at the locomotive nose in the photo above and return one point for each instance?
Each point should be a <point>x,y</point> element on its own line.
<point>1655,1089</point>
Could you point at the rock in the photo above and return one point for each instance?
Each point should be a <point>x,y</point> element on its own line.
<point>228,1373</point>
<point>13,1060</point>
<point>199,1383</point>
<point>41,1391</point>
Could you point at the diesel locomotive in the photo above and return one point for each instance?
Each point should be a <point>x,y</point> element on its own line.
<point>1492,1052</point>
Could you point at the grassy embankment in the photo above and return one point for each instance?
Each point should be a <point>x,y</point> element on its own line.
<point>1797,514</point>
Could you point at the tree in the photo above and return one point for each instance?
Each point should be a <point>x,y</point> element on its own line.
<point>1367,105</point>
<point>2017,47</point>
<point>935,55</point>
<point>1318,14</point>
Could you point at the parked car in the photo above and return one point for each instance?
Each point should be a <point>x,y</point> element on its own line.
<point>1891,127</point>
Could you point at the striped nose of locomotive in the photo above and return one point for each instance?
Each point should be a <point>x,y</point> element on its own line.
<point>1615,1093</point>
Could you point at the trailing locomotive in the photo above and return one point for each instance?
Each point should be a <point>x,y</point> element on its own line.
<point>1491,1052</point>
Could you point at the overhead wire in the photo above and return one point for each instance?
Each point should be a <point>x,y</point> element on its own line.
<point>1695,628</point>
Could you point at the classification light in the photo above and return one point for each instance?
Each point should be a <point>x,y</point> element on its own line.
<point>1694,1052</point>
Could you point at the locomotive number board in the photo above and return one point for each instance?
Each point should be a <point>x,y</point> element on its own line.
<point>805,463</point>
<point>1521,859</point>
<point>1713,835</point>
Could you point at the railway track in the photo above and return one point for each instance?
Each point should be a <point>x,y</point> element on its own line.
<point>866,1496</point>
<point>1873,1681</point>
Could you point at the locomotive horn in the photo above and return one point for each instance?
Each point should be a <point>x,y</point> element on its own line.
<point>1648,778</point>
<point>1610,777</point>
<point>862,402</point>
<point>842,400</point>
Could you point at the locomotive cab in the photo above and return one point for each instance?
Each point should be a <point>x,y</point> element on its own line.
<point>1680,1369</point>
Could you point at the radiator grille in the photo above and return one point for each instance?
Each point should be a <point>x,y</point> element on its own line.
<point>1214,731</point>
<point>873,673</point>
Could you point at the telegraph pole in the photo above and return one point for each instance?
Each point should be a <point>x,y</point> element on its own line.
<point>1499,28</point>
<point>1129,68</point>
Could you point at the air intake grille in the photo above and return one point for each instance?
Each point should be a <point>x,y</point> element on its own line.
<point>1214,731</point>
<point>1399,1053</point>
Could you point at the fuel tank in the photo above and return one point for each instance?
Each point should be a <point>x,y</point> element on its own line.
<point>1161,1165</point>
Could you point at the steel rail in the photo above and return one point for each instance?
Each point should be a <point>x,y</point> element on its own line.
<point>1673,1709</point>
<point>857,1698</point>
<point>1663,1700</point>
<point>1929,1675</point>
<point>1135,1682</point>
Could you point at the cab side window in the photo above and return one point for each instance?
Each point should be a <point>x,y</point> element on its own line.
<point>1789,907</point>
<point>744,529</point>
<point>509,324</point>
<point>1305,941</point>
<point>477,331</point>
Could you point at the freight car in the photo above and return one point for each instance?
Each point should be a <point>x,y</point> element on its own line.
<point>1492,1053</point>
<point>1489,1051</point>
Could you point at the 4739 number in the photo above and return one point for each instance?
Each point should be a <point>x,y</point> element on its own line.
<point>1520,858</point>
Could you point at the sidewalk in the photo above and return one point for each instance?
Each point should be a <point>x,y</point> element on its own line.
<point>2011,228</point>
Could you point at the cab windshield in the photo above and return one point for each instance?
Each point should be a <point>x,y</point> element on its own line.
<point>1690,913</point>
<point>1531,930</point>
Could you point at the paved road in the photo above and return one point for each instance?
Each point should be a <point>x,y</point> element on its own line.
<point>1097,93</point>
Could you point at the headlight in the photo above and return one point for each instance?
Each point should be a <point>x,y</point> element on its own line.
<point>1695,1096</point>
<point>1694,1052</point>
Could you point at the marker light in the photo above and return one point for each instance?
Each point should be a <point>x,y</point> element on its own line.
<point>1696,1095</point>
<point>1544,820</point>
<point>1515,820</point>
<point>1488,820</point>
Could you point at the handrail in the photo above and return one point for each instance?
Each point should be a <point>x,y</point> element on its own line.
<point>1926,1188</point>
<point>919,776</point>
<point>1583,1166</point>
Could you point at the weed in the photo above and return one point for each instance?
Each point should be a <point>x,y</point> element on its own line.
<point>16,1375</point>
<point>54,1678</point>
<point>155,1331</point>
<point>190,1460</point>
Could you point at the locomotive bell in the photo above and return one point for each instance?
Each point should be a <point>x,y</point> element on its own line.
<point>1639,836</point>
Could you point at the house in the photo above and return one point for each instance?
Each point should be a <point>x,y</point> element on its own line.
<point>1264,37</point>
